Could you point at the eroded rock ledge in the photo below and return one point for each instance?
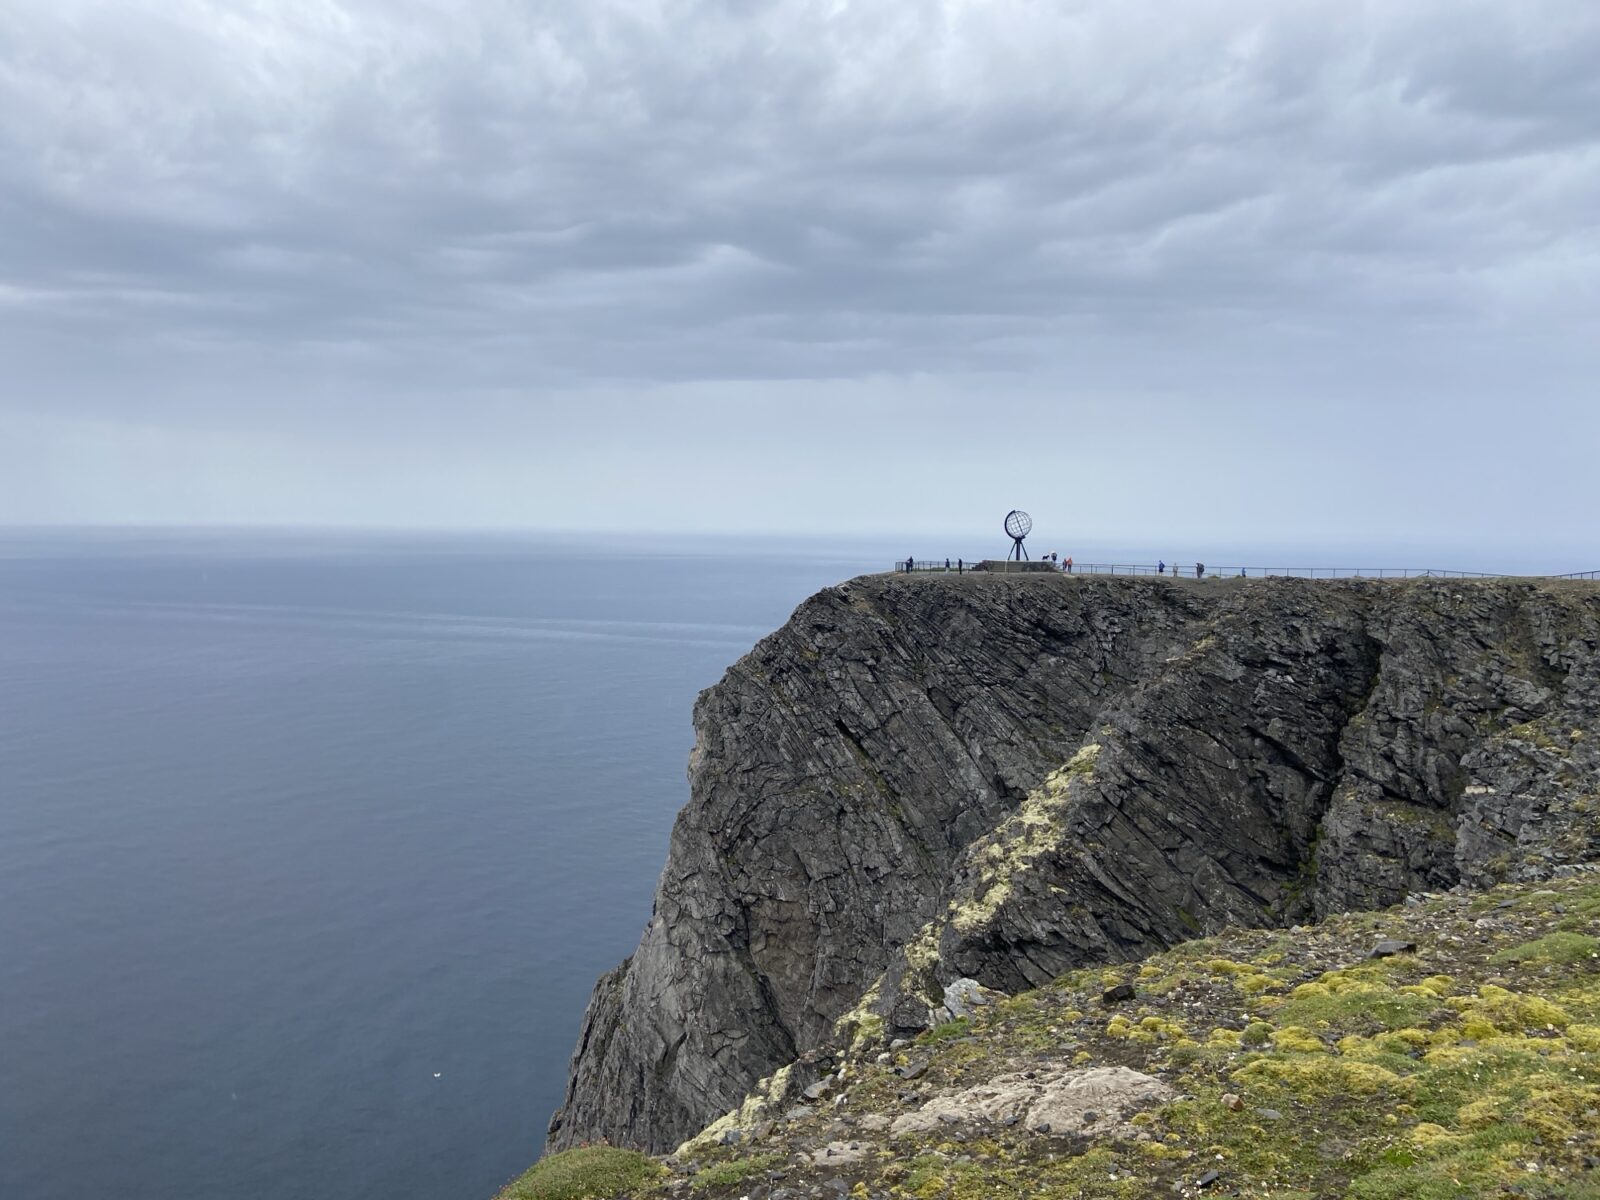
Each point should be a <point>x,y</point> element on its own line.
<point>920,779</point>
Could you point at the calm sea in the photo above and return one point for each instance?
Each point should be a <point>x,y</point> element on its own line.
<point>311,847</point>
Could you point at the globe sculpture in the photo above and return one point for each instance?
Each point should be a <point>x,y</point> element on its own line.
<point>1018,525</point>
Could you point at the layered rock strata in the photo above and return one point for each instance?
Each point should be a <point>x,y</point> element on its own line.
<point>925,778</point>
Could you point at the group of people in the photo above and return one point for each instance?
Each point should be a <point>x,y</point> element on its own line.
<point>1066,565</point>
<point>1199,570</point>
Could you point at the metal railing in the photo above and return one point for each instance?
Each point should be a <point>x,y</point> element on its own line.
<point>953,565</point>
<point>1193,571</point>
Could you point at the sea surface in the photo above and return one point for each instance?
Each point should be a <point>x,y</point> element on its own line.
<point>311,847</point>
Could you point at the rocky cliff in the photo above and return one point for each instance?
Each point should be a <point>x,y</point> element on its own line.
<point>920,779</point>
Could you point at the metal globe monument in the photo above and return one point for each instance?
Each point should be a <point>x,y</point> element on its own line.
<point>1018,525</point>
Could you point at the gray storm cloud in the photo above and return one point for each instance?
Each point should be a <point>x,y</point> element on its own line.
<point>247,248</point>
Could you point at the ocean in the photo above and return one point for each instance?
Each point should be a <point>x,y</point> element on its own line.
<point>311,846</point>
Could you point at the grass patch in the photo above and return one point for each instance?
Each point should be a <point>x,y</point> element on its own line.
<point>946,1032</point>
<point>586,1173</point>
<point>1563,948</point>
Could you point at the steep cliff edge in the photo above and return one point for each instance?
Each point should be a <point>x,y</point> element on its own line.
<point>924,778</point>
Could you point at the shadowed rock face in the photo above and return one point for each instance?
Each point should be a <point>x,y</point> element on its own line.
<point>882,798</point>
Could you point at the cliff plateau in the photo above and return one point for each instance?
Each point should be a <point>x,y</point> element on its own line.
<point>921,779</point>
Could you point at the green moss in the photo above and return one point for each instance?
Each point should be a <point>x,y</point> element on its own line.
<point>1352,1001</point>
<point>1496,1010</point>
<point>1554,948</point>
<point>1257,1033</point>
<point>1295,1039</point>
<point>582,1174</point>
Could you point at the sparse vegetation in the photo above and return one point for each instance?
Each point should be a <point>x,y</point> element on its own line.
<point>586,1173</point>
<point>1301,1069</point>
<point>736,1170</point>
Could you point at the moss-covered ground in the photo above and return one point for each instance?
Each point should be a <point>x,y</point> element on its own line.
<point>1301,1067</point>
<point>583,1174</point>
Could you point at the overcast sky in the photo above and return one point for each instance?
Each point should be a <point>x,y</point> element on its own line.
<point>1246,269</point>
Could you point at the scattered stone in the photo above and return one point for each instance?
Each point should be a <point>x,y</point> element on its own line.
<point>1269,1114</point>
<point>912,1070</point>
<point>1208,1179</point>
<point>875,1122</point>
<point>1389,947</point>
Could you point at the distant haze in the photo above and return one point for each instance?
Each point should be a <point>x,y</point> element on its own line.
<point>1228,272</point>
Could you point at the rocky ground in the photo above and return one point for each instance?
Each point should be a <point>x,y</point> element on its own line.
<point>1444,1049</point>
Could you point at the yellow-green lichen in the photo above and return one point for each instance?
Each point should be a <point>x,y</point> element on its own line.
<point>1033,828</point>
<point>861,1026</point>
<point>769,1092</point>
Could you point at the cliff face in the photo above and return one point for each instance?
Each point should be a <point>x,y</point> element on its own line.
<point>925,778</point>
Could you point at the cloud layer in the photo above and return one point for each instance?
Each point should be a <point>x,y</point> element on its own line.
<point>271,216</point>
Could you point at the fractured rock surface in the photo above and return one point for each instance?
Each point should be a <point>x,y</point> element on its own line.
<point>920,780</point>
